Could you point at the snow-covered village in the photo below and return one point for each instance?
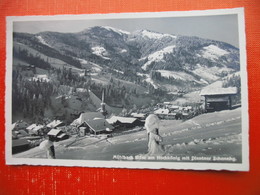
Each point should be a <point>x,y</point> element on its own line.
<point>88,95</point>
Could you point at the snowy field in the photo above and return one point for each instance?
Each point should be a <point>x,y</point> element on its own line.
<point>211,137</point>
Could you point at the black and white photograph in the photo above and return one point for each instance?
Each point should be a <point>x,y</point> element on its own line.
<point>128,90</point>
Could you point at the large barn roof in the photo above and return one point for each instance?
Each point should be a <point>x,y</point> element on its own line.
<point>99,125</point>
<point>87,116</point>
<point>219,91</point>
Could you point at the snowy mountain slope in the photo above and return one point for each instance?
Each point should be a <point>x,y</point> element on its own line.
<point>100,51</point>
<point>213,52</point>
<point>211,74</point>
<point>121,32</point>
<point>143,51</point>
<point>177,75</point>
<point>195,96</point>
<point>155,35</point>
<point>157,56</point>
<point>41,40</point>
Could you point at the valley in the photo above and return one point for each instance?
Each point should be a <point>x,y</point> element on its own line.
<point>139,69</point>
<point>62,77</point>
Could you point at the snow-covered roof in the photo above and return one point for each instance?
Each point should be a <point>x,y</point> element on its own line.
<point>114,119</point>
<point>31,126</point>
<point>54,132</point>
<point>40,77</point>
<point>161,111</point>
<point>174,107</point>
<point>34,128</point>
<point>37,128</point>
<point>54,123</point>
<point>75,122</point>
<point>219,91</point>
<point>138,115</point>
<point>87,116</point>
<point>99,125</point>
<point>110,121</point>
<point>61,135</point>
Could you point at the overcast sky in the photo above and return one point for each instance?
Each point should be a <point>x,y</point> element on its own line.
<point>222,27</point>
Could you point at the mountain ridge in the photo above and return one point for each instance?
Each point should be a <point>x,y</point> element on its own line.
<point>141,51</point>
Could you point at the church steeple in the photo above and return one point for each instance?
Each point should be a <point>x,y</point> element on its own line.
<point>103,105</point>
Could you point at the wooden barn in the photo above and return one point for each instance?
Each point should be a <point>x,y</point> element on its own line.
<point>217,99</point>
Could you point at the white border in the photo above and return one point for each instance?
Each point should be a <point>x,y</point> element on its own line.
<point>244,166</point>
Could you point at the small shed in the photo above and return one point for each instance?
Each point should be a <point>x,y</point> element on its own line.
<point>57,134</point>
<point>62,136</point>
<point>217,99</point>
